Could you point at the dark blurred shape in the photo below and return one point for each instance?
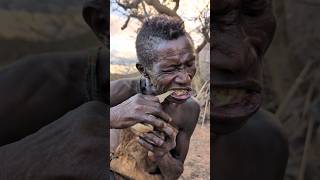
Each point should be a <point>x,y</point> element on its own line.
<point>36,26</point>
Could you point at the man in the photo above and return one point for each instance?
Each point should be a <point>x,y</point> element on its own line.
<point>53,112</point>
<point>167,62</point>
<point>249,143</point>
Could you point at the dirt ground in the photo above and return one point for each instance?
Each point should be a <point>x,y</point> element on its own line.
<point>197,164</point>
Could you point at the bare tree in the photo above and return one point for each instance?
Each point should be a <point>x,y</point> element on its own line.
<point>141,9</point>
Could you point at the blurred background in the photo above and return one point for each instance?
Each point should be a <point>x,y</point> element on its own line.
<point>126,16</point>
<point>291,83</point>
<point>31,27</point>
<point>292,72</point>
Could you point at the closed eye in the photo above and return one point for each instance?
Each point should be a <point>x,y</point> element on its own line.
<point>168,70</point>
<point>190,62</point>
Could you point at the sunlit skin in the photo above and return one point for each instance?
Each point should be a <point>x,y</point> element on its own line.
<point>123,40</point>
<point>174,69</point>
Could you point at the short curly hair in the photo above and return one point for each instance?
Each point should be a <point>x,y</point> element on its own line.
<point>153,31</point>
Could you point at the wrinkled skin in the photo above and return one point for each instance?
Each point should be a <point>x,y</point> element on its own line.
<point>249,143</point>
<point>47,91</point>
<point>173,70</point>
<point>242,31</point>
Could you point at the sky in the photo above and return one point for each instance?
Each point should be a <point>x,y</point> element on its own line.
<point>122,42</point>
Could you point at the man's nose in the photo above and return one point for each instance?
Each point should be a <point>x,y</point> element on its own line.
<point>183,78</point>
<point>223,62</point>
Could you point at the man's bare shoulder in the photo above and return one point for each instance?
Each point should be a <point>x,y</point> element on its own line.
<point>125,84</point>
<point>123,81</point>
<point>122,89</point>
<point>192,109</point>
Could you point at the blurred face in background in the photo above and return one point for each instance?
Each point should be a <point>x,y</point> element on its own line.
<point>242,31</point>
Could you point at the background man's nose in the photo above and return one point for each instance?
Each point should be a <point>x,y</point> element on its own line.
<point>223,62</point>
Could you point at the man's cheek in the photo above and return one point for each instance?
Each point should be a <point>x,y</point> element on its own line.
<point>165,80</point>
<point>166,77</point>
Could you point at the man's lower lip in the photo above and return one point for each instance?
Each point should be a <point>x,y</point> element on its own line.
<point>181,97</point>
<point>234,112</point>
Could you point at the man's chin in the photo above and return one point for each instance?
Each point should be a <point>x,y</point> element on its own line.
<point>228,124</point>
<point>232,117</point>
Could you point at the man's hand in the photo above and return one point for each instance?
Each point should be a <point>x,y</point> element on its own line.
<point>158,142</point>
<point>138,109</point>
<point>72,147</point>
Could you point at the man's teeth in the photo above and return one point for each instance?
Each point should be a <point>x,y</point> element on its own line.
<point>180,92</point>
<point>227,96</point>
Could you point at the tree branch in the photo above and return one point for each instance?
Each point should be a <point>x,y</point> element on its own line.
<point>126,23</point>
<point>145,10</point>
<point>161,9</point>
<point>129,5</point>
<point>206,39</point>
<point>140,17</point>
<point>176,7</point>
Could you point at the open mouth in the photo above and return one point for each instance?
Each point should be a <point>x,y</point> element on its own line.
<point>234,104</point>
<point>180,94</point>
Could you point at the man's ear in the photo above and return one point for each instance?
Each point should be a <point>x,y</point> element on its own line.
<point>95,13</point>
<point>142,70</point>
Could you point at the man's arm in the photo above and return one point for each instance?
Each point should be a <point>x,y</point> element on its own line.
<point>122,89</point>
<point>171,165</point>
<point>170,161</point>
<point>129,108</point>
<point>32,90</point>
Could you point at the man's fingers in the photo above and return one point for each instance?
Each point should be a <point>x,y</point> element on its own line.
<point>168,130</point>
<point>145,144</point>
<point>152,156</point>
<point>160,134</point>
<point>155,108</point>
<point>155,156</point>
<point>151,98</point>
<point>152,138</point>
<point>151,119</point>
<point>161,114</point>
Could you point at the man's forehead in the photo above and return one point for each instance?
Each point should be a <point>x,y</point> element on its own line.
<point>173,52</point>
<point>175,56</point>
<point>181,43</point>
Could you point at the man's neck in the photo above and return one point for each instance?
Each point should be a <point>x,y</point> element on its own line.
<point>146,87</point>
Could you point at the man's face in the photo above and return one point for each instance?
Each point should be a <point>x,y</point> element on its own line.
<point>242,31</point>
<point>174,69</point>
